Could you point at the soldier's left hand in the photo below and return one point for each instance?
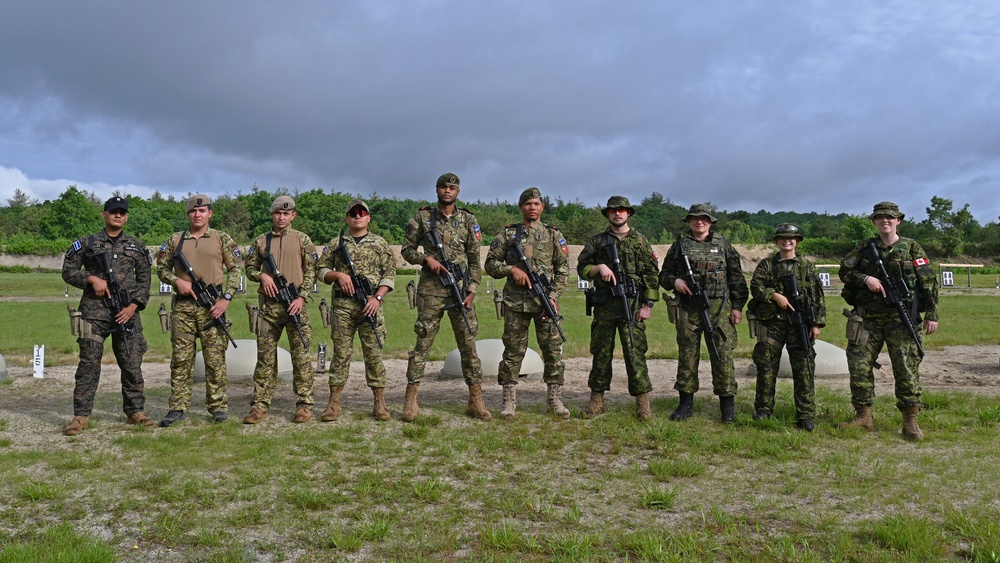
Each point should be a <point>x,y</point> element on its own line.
<point>219,308</point>
<point>126,314</point>
<point>296,306</point>
<point>930,326</point>
<point>467,302</point>
<point>736,316</point>
<point>372,306</point>
<point>814,332</point>
<point>644,313</point>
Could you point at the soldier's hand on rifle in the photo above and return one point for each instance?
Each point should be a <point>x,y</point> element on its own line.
<point>736,316</point>
<point>183,287</point>
<point>681,286</point>
<point>520,277</point>
<point>467,302</point>
<point>345,282</point>
<point>555,306</point>
<point>372,306</point>
<point>296,306</point>
<point>433,264</point>
<point>605,273</point>
<point>782,301</point>
<point>125,315</point>
<point>930,326</point>
<point>814,332</point>
<point>644,313</point>
<point>267,282</point>
<point>874,285</point>
<point>99,285</point>
<point>219,307</point>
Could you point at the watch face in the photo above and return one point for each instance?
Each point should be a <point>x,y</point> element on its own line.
<point>227,296</point>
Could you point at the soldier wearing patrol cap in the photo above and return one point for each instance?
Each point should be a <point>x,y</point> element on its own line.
<point>637,263</point>
<point>83,269</point>
<point>547,255</point>
<point>296,257</point>
<point>215,259</point>
<point>716,267</point>
<point>873,322</point>
<point>458,232</point>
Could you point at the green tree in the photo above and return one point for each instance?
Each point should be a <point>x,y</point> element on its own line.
<point>75,214</point>
<point>953,227</point>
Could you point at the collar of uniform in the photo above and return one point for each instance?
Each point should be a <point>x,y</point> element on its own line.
<point>532,225</point>
<point>282,232</point>
<point>630,232</point>
<point>207,233</point>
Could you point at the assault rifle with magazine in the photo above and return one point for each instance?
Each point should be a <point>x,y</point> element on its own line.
<point>450,276</point>
<point>117,298</point>
<point>896,296</point>
<point>206,294</point>
<point>704,305</point>
<point>363,289</point>
<point>800,315</point>
<point>287,292</point>
<point>540,286</point>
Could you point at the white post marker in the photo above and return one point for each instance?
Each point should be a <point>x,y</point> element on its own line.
<point>39,361</point>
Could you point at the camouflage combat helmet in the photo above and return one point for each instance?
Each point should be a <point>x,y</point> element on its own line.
<point>888,209</point>
<point>699,210</point>
<point>618,202</point>
<point>787,230</point>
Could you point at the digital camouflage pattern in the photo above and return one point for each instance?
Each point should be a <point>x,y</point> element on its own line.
<point>296,257</point>
<point>639,264</point>
<point>188,318</point>
<point>716,264</point>
<point>908,261</point>
<point>460,236</point>
<point>545,248</point>
<point>373,260</point>
<point>777,332</point>
<point>131,263</point>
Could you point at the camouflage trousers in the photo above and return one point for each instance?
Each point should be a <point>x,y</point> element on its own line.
<point>346,318</point>
<point>608,320</point>
<point>767,358</point>
<point>689,333</point>
<point>265,373</point>
<point>431,309</point>
<point>903,354</point>
<point>188,320</point>
<point>515,344</point>
<point>88,371</point>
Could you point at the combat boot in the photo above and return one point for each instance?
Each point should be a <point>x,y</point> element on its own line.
<point>255,415</point>
<point>476,408</point>
<point>77,425</point>
<point>555,403</point>
<point>761,414</point>
<point>410,406</point>
<point>862,418</point>
<point>333,410</point>
<point>727,405</point>
<point>685,408</point>
<point>173,417</point>
<point>302,414</point>
<point>379,411</point>
<point>509,402</point>
<point>911,431</point>
<point>642,410</point>
<point>140,418</point>
<point>596,405</point>
<point>806,424</point>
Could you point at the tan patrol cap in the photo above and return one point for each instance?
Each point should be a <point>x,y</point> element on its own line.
<point>198,200</point>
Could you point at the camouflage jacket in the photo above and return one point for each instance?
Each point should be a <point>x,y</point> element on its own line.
<point>372,259</point>
<point>130,262</point>
<point>905,262</point>
<point>716,265</point>
<point>637,261</point>
<point>766,282</point>
<point>295,255</point>
<point>460,236</point>
<point>224,259</point>
<point>544,247</point>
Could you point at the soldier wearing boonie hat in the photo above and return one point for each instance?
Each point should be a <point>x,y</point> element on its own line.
<point>545,249</point>
<point>716,268</point>
<point>874,322</point>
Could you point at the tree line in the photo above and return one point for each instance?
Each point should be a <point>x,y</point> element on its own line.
<point>28,226</point>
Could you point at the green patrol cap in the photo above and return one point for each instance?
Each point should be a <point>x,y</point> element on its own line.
<point>618,202</point>
<point>787,230</point>
<point>530,193</point>
<point>283,203</point>
<point>888,209</point>
<point>447,179</point>
<point>198,200</point>
<point>699,210</point>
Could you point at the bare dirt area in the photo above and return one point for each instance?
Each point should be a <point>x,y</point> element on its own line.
<point>36,408</point>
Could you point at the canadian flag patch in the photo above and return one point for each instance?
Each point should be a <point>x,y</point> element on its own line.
<point>921,262</point>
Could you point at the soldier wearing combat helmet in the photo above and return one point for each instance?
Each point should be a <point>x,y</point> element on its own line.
<point>874,322</point>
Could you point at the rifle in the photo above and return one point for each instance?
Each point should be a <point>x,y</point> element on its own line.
<point>452,273</point>
<point>117,299</point>
<point>540,287</point>
<point>704,305</point>
<point>623,289</point>
<point>362,287</point>
<point>803,317</point>
<point>206,294</point>
<point>894,297</point>
<point>287,292</point>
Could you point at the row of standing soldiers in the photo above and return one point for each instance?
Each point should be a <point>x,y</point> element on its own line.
<point>701,267</point>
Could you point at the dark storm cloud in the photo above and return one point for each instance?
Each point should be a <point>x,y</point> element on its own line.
<point>806,106</point>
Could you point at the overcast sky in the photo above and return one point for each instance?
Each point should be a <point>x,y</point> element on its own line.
<point>778,105</point>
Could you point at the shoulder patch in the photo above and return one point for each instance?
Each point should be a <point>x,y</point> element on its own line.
<point>479,234</point>
<point>250,252</point>
<point>921,262</point>
<point>237,254</point>
<point>76,246</point>
<point>562,245</point>
<point>163,249</point>
<point>495,243</point>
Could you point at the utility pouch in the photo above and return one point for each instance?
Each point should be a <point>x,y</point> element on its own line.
<point>411,294</point>
<point>164,317</point>
<point>498,303</point>
<point>588,298</point>
<point>324,313</point>
<point>856,333</point>
<point>673,308</point>
<point>75,320</point>
<point>753,323</point>
<point>254,315</point>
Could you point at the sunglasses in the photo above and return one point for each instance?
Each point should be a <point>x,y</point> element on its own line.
<point>355,213</point>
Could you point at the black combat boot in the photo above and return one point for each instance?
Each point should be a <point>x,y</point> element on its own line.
<point>728,407</point>
<point>684,408</point>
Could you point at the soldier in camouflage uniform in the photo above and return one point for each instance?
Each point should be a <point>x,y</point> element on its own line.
<point>771,305</point>
<point>716,266</point>
<point>873,322</point>
<point>373,261</point>
<point>638,264</point>
<point>82,269</point>
<point>459,235</point>
<point>215,259</point>
<point>296,257</point>
<point>545,248</point>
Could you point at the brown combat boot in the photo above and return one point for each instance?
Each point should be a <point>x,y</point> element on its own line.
<point>333,410</point>
<point>642,410</point>
<point>77,425</point>
<point>410,406</point>
<point>476,408</point>
<point>555,403</point>
<point>140,418</point>
<point>862,418</point>
<point>509,402</point>
<point>379,411</point>
<point>255,415</point>
<point>302,414</point>
<point>911,431</point>
<point>596,405</point>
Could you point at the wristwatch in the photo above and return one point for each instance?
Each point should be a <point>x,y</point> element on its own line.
<point>227,296</point>
<point>650,304</point>
<point>379,297</point>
